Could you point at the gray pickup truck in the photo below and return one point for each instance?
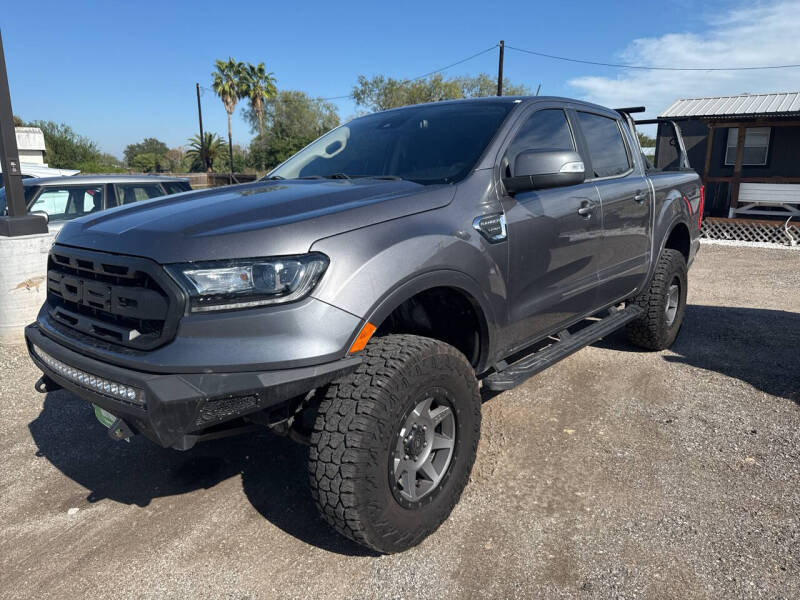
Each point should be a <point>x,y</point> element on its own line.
<point>359,297</point>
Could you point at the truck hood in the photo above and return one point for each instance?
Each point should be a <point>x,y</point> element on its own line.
<point>269,218</point>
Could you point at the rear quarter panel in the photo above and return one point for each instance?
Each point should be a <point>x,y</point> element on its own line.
<point>676,200</point>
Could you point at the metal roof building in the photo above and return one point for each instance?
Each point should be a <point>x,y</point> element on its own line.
<point>747,150</point>
<point>751,105</point>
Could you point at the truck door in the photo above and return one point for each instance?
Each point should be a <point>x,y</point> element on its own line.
<point>625,196</point>
<point>552,246</point>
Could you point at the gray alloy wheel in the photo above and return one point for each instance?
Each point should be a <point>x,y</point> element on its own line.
<point>423,448</point>
<point>673,301</point>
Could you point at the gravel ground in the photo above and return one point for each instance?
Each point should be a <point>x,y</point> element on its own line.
<point>614,474</point>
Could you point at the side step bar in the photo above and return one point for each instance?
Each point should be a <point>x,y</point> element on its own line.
<point>567,344</point>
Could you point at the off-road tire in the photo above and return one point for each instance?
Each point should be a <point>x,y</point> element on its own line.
<point>356,429</point>
<point>652,329</point>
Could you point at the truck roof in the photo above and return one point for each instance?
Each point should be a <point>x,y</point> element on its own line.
<point>512,100</point>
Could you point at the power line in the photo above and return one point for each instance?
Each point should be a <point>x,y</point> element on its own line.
<point>463,60</point>
<point>648,68</point>
<point>428,74</point>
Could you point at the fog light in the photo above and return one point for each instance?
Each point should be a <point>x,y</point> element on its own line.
<point>98,384</point>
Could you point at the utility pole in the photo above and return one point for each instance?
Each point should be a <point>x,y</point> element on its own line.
<point>18,221</point>
<point>200,118</point>
<point>500,69</point>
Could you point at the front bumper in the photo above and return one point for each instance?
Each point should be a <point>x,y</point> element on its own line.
<point>174,409</point>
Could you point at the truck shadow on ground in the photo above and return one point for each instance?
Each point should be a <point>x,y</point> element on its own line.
<point>273,469</point>
<point>755,345</point>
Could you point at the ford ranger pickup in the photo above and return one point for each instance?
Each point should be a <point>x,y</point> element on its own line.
<point>364,295</point>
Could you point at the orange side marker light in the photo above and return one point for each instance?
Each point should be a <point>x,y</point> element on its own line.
<point>363,337</point>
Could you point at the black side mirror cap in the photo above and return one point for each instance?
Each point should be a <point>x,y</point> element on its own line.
<point>539,169</point>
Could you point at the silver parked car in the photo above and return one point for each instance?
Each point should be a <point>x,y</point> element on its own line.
<point>65,198</point>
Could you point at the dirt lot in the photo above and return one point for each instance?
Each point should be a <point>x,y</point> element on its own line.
<point>615,474</point>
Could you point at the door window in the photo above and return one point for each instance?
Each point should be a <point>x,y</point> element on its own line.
<point>607,149</point>
<point>546,129</point>
<point>129,193</point>
<point>63,204</point>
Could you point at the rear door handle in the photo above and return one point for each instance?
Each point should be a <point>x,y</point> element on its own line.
<point>640,197</point>
<point>586,210</point>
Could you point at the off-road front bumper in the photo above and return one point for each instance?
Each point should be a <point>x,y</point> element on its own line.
<point>174,410</point>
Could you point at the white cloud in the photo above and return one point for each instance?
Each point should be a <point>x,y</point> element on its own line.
<point>765,34</point>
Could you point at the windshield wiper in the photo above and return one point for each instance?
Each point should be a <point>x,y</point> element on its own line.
<point>337,176</point>
<point>272,178</point>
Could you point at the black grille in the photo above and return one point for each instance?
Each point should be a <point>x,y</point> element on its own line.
<point>121,300</point>
<point>219,409</point>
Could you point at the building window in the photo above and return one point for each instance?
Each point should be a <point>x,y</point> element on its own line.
<point>756,145</point>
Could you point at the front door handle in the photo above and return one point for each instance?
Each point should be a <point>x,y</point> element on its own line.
<point>586,210</point>
<point>640,197</point>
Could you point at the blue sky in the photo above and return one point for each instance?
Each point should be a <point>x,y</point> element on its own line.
<point>121,71</point>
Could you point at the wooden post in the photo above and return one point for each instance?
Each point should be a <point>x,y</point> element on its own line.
<point>709,146</point>
<point>737,171</point>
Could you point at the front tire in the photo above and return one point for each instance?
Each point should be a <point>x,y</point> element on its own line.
<point>664,304</point>
<point>395,441</point>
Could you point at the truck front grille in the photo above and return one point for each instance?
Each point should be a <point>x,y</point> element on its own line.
<point>122,300</point>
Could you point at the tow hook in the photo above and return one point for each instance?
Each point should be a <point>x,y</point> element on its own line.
<point>45,385</point>
<point>119,430</point>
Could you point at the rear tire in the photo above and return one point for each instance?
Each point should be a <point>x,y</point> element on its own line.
<point>394,442</point>
<point>664,304</point>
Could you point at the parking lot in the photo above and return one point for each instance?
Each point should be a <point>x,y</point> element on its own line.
<point>615,474</point>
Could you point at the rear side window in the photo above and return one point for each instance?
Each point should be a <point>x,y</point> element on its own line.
<point>176,187</point>
<point>544,130</point>
<point>607,149</point>
<point>128,193</point>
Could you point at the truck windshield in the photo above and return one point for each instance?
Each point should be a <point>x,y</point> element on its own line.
<point>428,144</point>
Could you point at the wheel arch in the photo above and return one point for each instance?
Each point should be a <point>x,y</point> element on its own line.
<point>444,282</point>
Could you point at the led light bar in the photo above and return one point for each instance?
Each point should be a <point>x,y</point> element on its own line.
<point>97,384</point>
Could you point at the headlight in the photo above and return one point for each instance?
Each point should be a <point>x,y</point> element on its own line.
<point>232,284</point>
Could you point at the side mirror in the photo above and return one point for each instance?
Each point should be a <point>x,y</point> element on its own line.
<point>539,169</point>
<point>42,213</point>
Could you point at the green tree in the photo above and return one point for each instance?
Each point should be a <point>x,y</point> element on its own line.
<point>259,88</point>
<point>292,121</point>
<point>146,162</point>
<point>645,141</point>
<point>228,82</point>
<point>104,163</point>
<point>483,85</point>
<point>214,147</point>
<point>66,149</point>
<point>240,161</point>
<point>146,146</point>
<point>382,93</point>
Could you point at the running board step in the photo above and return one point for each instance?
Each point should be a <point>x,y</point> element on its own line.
<point>538,361</point>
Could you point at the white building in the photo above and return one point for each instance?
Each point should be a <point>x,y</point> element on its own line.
<point>30,143</point>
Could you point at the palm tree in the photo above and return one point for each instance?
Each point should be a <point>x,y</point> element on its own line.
<point>213,146</point>
<point>259,88</point>
<point>229,84</point>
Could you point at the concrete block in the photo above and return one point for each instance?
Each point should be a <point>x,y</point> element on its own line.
<point>23,282</point>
